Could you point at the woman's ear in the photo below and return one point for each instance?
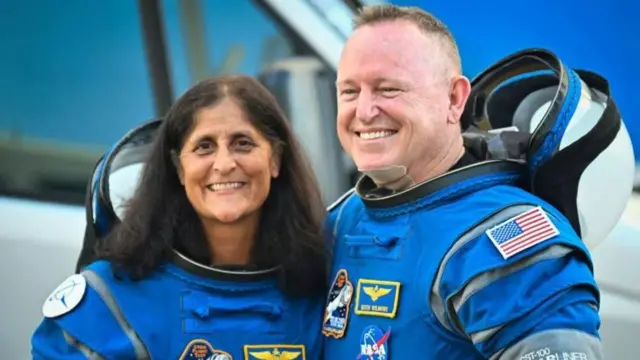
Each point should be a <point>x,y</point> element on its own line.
<point>276,162</point>
<point>175,159</point>
<point>275,166</point>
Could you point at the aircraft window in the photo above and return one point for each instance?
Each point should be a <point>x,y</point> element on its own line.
<point>207,38</point>
<point>337,12</point>
<point>74,79</point>
<point>276,82</point>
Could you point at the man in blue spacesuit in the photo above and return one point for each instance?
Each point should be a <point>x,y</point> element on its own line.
<point>448,255</point>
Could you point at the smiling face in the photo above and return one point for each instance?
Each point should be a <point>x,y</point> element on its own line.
<point>226,164</point>
<point>395,98</point>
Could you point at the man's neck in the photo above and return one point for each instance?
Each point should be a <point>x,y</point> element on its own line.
<point>437,167</point>
<point>442,164</point>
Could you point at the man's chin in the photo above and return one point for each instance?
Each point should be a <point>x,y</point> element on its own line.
<point>373,163</point>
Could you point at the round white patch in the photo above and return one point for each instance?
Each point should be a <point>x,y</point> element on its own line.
<point>65,297</point>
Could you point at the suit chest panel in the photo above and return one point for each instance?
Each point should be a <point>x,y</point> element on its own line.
<point>390,265</point>
<point>196,323</point>
<point>262,327</point>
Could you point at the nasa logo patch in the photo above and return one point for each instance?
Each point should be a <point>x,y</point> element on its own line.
<point>374,343</point>
<point>65,297</point>
<point>377,298</point>
<point>336,315</point>
<point>200,349</point>
<point>274,352</point>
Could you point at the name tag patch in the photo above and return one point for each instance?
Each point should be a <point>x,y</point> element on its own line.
<point>274,352</point>
<point>377,298</point>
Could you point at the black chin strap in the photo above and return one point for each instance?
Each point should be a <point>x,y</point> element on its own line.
<point>87,253</point>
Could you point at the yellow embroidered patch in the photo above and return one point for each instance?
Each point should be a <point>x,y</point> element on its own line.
<point>274,352</point>
<point>377,298</point>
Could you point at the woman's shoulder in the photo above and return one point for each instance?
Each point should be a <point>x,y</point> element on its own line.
<point>80,293</point>
<point>84,310</point>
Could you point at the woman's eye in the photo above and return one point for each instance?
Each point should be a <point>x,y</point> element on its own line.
<point>244,144</point>
<point>204,148</point>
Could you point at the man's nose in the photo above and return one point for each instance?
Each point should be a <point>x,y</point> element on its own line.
<point>367,109</point>
<point>224,161</point>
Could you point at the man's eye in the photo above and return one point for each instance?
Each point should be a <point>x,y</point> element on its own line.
<point>347,91</point>
<point>389,92</point>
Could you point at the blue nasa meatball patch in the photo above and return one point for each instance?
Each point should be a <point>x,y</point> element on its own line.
<point>374,344</point>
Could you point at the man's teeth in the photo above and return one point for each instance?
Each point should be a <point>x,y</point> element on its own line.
<point>376,134</point>
<point>225,186</point>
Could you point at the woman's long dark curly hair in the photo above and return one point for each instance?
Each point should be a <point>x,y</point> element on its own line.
<point>159,217</point>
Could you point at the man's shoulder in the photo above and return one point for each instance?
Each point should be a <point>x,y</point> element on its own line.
<point>341,200</point>
<point>505,194</point>
<point>509,235</point>
<point>500,208</point>
<point>506,225</point>
<point>490,200</point>
<point>521,251</point>
<point>342,212</point>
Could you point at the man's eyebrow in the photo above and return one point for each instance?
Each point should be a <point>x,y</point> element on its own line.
<point>389,80</point>
<point>344,82</point>
<point>376,81</point>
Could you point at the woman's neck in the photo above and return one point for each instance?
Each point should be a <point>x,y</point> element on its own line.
<point>231,244</point>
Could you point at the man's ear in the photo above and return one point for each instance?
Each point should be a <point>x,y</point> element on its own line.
<point>175,159</point>
<point>458,96</point>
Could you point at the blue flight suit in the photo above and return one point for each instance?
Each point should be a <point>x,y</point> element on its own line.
<point>181,311</point>
<point>465,266</point>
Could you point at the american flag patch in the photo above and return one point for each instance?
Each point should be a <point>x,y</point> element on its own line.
<point>522,232</point>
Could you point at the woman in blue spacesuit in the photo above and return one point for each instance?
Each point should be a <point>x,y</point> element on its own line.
<point>219,254</point>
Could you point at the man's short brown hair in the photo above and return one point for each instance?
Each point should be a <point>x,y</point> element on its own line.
<point>424,20</point>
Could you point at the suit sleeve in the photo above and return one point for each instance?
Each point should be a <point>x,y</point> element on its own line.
<point>90,328</point>
<point>537,303</point>
<point>50,342</point>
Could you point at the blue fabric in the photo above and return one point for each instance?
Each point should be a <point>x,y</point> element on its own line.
<point>172,308</point>
<point>400,250</point>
